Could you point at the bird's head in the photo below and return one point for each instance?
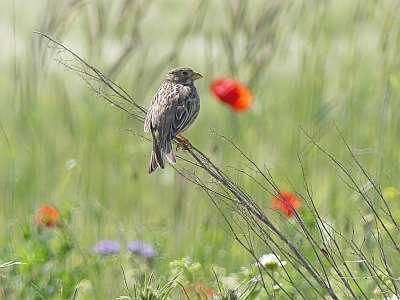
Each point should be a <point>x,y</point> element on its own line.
<point>183,75</point>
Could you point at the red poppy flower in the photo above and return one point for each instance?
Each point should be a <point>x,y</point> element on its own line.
<point>285,201</point>
<point>47,216</point>
<point>232,93</point>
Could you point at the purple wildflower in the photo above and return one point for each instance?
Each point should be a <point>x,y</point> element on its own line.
<point>134,246</point>
<point>144,250</point>
<point>147,251</point>
<point>106,247</point>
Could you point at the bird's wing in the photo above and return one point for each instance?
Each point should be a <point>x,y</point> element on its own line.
<point>147,121</point>
<point>160,104</point>
<point>154,108</point>
<point>181,118</point>
<point>170,111</point>
<point>157,106</point>
<point>184,112</point>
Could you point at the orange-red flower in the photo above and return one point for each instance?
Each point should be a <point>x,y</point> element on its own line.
<point>285,201</point>
<point>47,216</point>
<point>202,290</point>
<point>232,93</point>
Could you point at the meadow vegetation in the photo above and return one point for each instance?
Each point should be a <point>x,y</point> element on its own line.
<point>80,217</point>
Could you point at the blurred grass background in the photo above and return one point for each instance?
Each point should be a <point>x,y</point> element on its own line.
<point>308,63</point>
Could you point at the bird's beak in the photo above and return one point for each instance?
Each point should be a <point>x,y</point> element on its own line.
<point>196,76</point>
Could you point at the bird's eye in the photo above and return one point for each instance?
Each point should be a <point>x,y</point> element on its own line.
<point>184,73</point>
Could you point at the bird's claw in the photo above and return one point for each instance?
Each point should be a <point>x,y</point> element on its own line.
<point>184,144</point>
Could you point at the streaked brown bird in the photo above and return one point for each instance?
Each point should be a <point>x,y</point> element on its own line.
<point>173,109</point>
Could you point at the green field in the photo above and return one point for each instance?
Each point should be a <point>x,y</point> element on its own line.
<point>327,69</point>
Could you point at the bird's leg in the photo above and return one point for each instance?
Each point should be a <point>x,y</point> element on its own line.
<point>184,143</point>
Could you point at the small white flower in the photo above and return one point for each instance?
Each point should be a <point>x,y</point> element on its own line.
<point>271,261</point>
<point>276,287</point>
<point>394,297</point>
<point>70,164</point>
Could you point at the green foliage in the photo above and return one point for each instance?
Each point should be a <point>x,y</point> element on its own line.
<point>184,270</point>
<point>51,268</point>
<point>146,290</point>
<point>306,63</point>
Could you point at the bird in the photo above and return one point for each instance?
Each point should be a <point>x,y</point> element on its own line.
<point>173,108</point>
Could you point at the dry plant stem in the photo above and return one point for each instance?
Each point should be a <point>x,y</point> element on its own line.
<point>307,234</point>
<point>382,126</point>
<point>133,109</point>
<point>126,283</point>
<point>184,290</point>
<point>377,211</point>
<point>360,189</point>
<point>314,243</point>
<point>377,190</point>
<point>244,200</point>
<point>357,187</point>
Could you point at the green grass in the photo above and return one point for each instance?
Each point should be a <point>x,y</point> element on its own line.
<point>309,64</point>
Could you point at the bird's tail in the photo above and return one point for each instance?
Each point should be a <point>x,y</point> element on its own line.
<point>154,163</point>
<point>158,155</point>
<point>169,153</point>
